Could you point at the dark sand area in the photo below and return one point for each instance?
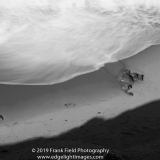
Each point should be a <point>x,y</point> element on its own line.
<point>135,135</point>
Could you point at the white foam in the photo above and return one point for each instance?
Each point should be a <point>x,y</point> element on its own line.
<point>46,46</point>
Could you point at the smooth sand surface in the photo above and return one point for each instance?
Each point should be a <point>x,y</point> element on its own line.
<point>94,98</point>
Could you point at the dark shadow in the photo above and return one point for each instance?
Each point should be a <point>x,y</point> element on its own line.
<point>135,135</point>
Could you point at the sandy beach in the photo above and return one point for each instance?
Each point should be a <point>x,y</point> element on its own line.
<point>89,111</point>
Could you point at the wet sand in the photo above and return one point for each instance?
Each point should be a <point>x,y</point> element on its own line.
<point>89,111</point>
